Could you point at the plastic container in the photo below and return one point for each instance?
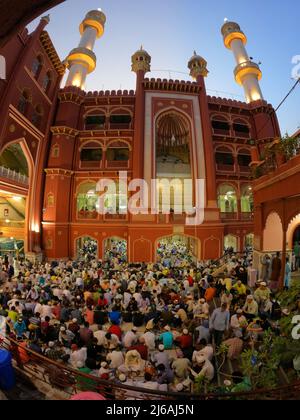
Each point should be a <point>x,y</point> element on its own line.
<point>7,373</point>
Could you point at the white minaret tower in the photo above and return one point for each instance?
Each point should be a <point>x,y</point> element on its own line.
<point>247,73</point>
<point>82,60</point>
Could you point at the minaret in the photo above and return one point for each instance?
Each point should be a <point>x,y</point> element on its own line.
<point>247,73</point>
<point>197,66</point>
<point>82,60</point>
<point>198,71</point>
<point>141,64</point>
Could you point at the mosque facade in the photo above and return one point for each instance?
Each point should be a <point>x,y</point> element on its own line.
<point>57,142</point>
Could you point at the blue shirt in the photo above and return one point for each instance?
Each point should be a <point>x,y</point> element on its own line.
<point>167,339</point>
<point>20,329</point>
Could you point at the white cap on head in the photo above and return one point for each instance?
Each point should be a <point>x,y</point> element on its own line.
<point>122,377</point>
<point>161,347</point>
<point>167,328</point>
<point>250,297</point>
<point>264,284</point>
<point>74,320</point>
<point>185,331</point>
<point>62,329</point>
<point>239,311</point>
<point>227,383</point>
<point>80,365</point>
<point>104,364</point>
<point>51,344</point>
<point>134,329</point>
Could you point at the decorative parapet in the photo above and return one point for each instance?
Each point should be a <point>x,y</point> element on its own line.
<point>52,54</point>
<point>172,85</point>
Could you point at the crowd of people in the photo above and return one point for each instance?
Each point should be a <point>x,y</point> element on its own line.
<point>173,252</point>
<point>155,327</point>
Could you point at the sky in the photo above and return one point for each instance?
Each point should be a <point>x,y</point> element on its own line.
<point>170,30</point>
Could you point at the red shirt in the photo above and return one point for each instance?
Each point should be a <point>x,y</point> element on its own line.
<point>115,329</point>
<point>142,349</point>
<point>185,341</point>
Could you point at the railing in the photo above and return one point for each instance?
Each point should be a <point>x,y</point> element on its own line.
<point>225,168</point>
<point>247,216</point>
<point>13,176</point>
<point>229,216</point>
<point>117,164</point>
<point>68,382</point>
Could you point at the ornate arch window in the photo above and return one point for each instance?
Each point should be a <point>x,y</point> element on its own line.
<point>220,125</point>
<point>95,121</point>
<point>247,202</point>
<point>227,199</point>
<point>224,159</point>
<point>87,201</point>
<point>120,119</point>
<point>241,128</point>
<point>244,159</point>
<point>47,81</point>
<point>37,66</point>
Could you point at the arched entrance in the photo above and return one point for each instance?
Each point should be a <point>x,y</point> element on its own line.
<point>86,248</point>
<point>273,233</point>
<point>231,243</point>
<point>249,241</point>
<point>176,250</point>
<point>16,169</point>
<point>173,161</point>
<point>115,247</point>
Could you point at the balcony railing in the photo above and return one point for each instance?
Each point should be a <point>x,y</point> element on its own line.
<point>14,176</point>
<point>229,216</point>
<point>247,216</point>
<point>225,168</point>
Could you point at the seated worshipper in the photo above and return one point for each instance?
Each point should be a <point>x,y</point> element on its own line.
<point>185,343</point>
<point>20,328</point>
<point>165,376</point>
<point>130,338</point>
<point>207,352</point>
<point>235,347</point>
<point>116,330</point>
<point>77,355</point>
<point>167,338</point>
<point>161,357</point>
<point>201,309</point>
<point>227,298</point>
<point>104,371</point>
<point>240,288</point>
<point>207,371</point>
<point>238,324</point>
<point>115,359</point>
<point>112,341</point>
<point>181,367</point>
<point>115,317</point>
<point>133,363</point>
<point>251,308</point>
<point>255,330</point>
<point>141,348</point>
<point>149,338</point>
<point>262,294</point>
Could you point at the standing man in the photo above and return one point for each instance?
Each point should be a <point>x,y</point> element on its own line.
<point>219,323</point>
<point>297,255</point>
<point>276,272</point>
